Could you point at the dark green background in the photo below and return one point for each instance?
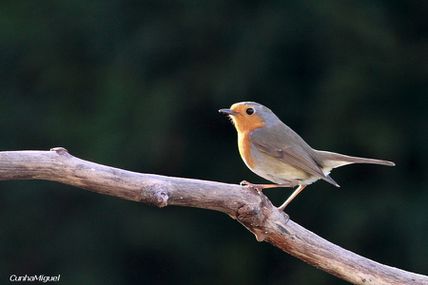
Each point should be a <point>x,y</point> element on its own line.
<point>137,85</point>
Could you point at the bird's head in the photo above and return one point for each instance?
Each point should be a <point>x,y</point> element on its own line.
<point>247,116</point>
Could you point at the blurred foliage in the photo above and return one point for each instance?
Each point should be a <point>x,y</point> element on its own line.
<point>137,85</point>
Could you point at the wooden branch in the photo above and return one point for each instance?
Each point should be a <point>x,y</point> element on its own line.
<point>251,209</point>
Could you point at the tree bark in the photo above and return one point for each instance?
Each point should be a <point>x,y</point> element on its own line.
<point>250,208</point>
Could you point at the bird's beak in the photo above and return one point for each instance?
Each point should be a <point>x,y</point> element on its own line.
<point>228,112</point>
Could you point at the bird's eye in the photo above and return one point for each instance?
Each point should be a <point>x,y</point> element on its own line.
<point>249,111</point>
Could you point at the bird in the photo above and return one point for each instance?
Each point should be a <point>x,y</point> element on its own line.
<point>275,152</point>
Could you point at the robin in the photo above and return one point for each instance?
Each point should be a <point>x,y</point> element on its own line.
<point>275,152</point>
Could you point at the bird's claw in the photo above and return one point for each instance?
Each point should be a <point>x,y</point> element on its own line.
<point>245,183</point>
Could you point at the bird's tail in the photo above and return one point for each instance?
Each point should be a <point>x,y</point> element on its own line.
<point>332,160</point>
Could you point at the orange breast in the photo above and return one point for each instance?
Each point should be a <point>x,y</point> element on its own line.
<point>245,124</point>
<point>245,149</point>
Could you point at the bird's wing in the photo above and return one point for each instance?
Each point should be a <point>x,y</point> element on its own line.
<point>284,144</point>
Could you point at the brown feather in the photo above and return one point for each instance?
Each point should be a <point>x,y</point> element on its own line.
<point>333,160</point>
<point>287,146</point>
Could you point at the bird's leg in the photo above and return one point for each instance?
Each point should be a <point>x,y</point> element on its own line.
<point>292,196</point>
<point>260,187</point>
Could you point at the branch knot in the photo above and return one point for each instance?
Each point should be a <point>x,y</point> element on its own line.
<point>161,198</point>
<point>60,150</point>
<point>155,195</point>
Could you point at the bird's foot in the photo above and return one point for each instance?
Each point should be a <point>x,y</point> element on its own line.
<point>251,186</point>
<point>260,187</point>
